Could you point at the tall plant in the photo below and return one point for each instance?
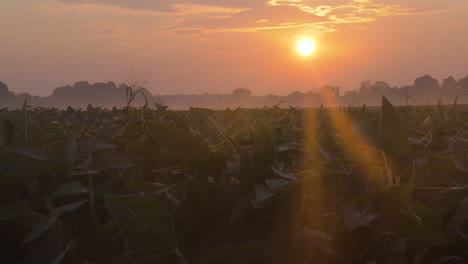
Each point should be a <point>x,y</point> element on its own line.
<point>134,86</point>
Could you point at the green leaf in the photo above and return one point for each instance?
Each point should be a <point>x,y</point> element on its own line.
<point>91,238</point>
<point>123,260</point>
<point>160,107</point>
<point>202,123</point>
<point>156,187</point>
<point>289,211</point>
<point>291,255</point>
<point>263,193</point>
<point>205,206</point>
<point>444,125</point>
<point>69,189</point>
<point>368,133</point>
<point>11,189</point>
<point>92,116</point>
<point>109,133</point>
<point>88,147</point>
<point>240,209</point>
<point>319,239</point>
<point>47,247</point>
<point>60,257</point>
<point>460,161</point>
<point>355,218</point>
<point>287,175</point>
<point>264,149</point>
<point>455,224</point>
<point>145,221</point>
<point>23,167</point>
<point>20,134</point>
<point>394,138</point>
<point>40,228</point>
<point>234,254</point>
<point>419,225</point>
<point>276,184</point>
<point>108,160</point>
<point>13,210</point>
<point>243,155</point>
<point>32,153</point>
<point>185,147</point>
<point>69,151</point>
<point>69,207</point>
<point>442,113</point>
<point>6,128</point>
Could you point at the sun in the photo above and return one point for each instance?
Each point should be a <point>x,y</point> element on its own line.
<point>305,47</point>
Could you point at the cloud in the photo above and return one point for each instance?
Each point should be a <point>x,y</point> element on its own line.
<point>160,6</point>
<point>188,32</point>
<point>354,11</point>
<point>264,17</point>
<point>170,6</point>
<point>230,3</point>
<point>163,8</point>
<point>196,16</point>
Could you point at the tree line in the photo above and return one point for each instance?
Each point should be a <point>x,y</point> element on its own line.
<point>424,90</point>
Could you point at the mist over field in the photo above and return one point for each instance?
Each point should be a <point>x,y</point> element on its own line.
<point>424,91</point>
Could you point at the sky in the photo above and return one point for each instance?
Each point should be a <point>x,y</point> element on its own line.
<point>215,46</point>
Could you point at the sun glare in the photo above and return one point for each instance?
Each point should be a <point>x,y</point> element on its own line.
<point>305,47</point>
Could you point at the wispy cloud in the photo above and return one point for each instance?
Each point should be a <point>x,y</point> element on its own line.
<point>355,11</point>
<point>198,16</point>
<point>259,18</point>
<point>174,7</point>
<point>159,6</point>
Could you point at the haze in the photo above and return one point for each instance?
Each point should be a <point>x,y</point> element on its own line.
<point>215,46</point>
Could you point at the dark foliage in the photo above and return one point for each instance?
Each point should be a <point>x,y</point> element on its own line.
<point>271,185</point>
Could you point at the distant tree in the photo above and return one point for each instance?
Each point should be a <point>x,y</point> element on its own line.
<point>111,85</point>
<point>241,93</point>
<point>82,84</point>
<point>463,86</point>
<point>426,89</point>
<point>381,86</point>
<point>329,94</point>
<point>449,88</point>
<point>62,91</point>
<point>426,82</point>
<point>108,85</point>
<point>376,91</point>
<point>23,96</point>
<point>295,98</point>
<point>295,94</point>
<point>4,90</point>
<point>365,87</point>
<point>351,98</point>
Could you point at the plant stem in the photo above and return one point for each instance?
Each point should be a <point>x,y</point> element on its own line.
<point>91,199</point>
<point>180,256</point>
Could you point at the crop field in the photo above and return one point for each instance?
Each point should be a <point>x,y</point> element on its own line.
<point>262,186</point>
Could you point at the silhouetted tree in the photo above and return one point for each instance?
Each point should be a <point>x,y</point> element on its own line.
<point>449,88</point>
<point>294,98</point>
<point>426,89</point>
<point>4,90</point>
<point>463,86</point>
<point>351,97</point>
<point>241,93</point>
<point>329,94</point>
<point>82,84</point>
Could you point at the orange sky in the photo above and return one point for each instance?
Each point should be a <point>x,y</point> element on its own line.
<point>215,46</point>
